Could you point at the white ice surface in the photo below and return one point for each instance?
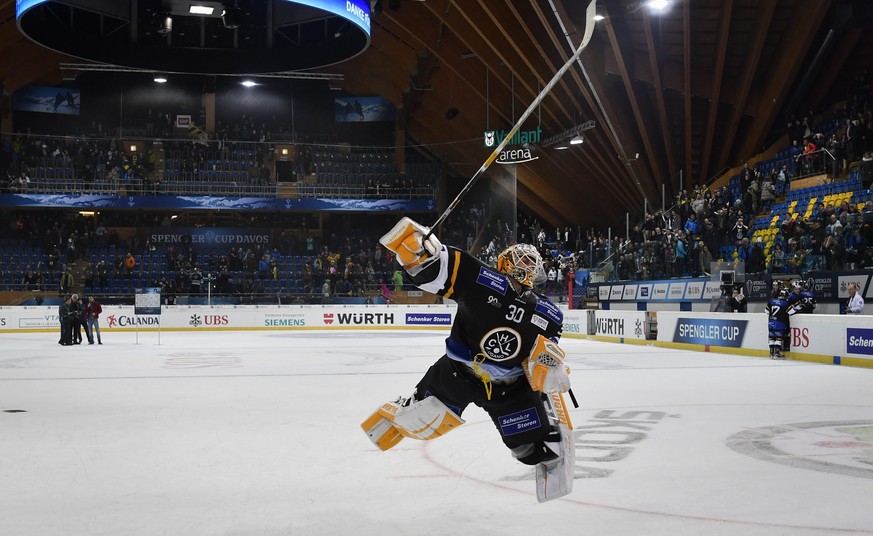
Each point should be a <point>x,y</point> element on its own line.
<point>258,434</point>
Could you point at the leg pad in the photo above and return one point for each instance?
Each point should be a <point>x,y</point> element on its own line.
<point>424,419</point>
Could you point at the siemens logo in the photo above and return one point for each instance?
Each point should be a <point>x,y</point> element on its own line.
<point>284,322</point>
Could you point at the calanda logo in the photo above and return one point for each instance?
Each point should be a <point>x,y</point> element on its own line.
<point>121,321</point>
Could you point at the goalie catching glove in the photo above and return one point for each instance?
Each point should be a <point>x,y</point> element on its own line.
<point>407,241</point>
<point>546,371</point>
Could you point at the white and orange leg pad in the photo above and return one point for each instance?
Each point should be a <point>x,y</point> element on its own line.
<point>424,419</point>
<point>555,477</point>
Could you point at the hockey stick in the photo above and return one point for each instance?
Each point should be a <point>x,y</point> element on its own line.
<point>590,11</point>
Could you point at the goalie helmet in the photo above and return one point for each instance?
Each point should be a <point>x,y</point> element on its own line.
<point>523,263</point>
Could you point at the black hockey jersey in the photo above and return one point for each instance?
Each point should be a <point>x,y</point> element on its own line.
<point>494,325</point>
<point>777,315</point>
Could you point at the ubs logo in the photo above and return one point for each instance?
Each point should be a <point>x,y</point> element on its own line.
<point>501,344</point>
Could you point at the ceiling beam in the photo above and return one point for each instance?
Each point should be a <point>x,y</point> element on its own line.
<point>659,94</point>
<point>789,57</point>
<point>824,82</point>
<point>600,135</point>
<point>763,19</point>
<point>615,27</point>
<point>591,158</point>
<point>686,52</point>
<point>715,98</point>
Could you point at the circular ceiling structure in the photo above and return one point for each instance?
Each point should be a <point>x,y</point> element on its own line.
<point>201,37</point>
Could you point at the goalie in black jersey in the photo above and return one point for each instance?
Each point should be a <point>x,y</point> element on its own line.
<point>502,355</point>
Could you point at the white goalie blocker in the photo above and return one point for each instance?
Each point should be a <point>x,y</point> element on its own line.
<point>424,419</point>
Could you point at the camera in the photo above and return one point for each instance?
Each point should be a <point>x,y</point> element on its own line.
<point>727,282</point>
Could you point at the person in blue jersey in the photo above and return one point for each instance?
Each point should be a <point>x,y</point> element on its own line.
<point>802,300</point>
<point>778,323</point>
<point>502,352</point>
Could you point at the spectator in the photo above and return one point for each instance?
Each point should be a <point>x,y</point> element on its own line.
<point>768,195</point>
<point>757,262</point>
<point>76,319</point>
<point>66,283</point>
<point>855,305</point>
<point>867,170</point>
<point>738,302</point>
<point>777,259</point>
<point>66,323</point>
<point>92,319</point>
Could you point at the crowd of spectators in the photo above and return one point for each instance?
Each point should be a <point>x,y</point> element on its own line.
<point>704,224</point>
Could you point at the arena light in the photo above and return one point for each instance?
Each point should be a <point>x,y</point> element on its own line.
<point>658,5</point>
<point>598,18</point>
<point>165,23</point>
<point>195,9</point>
<point>160,79</point>
<point>249,83</point>
<point>572,135</point>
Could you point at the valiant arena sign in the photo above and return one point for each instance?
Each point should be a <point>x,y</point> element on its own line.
<point>517,155</point>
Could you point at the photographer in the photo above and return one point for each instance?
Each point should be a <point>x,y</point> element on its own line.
<point>738,303</point>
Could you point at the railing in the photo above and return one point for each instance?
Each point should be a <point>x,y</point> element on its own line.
<point>813,163</point>
<point>195,187</point>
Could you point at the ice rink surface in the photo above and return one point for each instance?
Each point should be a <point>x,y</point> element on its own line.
<point>257,433</point>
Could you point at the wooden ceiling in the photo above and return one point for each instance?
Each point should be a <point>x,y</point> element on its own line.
<point>701,86</point>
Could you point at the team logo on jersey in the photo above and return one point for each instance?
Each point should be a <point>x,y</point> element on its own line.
<point>493,302</point>
<point>501,344</point>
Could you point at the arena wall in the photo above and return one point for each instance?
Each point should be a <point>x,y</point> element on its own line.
<point>832,339</point>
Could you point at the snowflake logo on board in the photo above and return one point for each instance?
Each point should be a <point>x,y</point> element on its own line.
<point>195,320</point>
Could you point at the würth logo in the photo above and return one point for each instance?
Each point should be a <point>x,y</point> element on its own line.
<point>366,319</point>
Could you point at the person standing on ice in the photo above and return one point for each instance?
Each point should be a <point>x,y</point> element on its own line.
<point>502,355</point>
